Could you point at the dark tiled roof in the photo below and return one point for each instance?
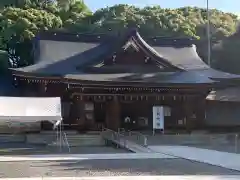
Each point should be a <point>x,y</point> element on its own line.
<point>183,57</point>
<point>165,78</point>
<point>205,76</point>
<point>67,65</point>
<point>73,51</point>
<point>74,37</point>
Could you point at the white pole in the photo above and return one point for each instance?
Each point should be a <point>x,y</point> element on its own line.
<point>153,132</point>
<point>57,136</point>
<point>58,132</point>
<point>145,141</point>
<point>208,34</point>
<point>60,143</point>
<point>236,143</point>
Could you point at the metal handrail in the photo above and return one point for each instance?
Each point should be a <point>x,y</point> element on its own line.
<point>66,140</point>
<point>122,135</point>
<point>121,131</point>
<point>115,136</point>
<point>141,138</point>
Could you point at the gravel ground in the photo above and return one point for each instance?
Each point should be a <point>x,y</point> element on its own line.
<point>24,149</point>
<point>109,168</point>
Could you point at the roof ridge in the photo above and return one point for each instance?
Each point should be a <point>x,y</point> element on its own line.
<point>171,41</point>
<point>60,35</point>
<point>158,57</point>
<point>75,37</point>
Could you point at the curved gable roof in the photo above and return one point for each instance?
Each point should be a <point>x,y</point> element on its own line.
<point>177,54</point>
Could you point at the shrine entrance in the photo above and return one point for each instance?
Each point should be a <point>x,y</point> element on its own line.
<point>100,112</point>
<point>136,116</point>
<point>94,112</point>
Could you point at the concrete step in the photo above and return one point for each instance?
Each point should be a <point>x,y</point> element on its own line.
<point>85,140</point>
<point>55,132</point>
<point>41,139</point>
<point>82,140</point>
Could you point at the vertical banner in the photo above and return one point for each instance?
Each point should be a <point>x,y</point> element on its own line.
<point>158,117</point>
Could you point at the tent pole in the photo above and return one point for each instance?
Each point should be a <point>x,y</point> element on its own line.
<point>61,136</point>
<point>59,140</point>
<point>57,135</point>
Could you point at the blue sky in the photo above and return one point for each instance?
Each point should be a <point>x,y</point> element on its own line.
<point>225,5</point>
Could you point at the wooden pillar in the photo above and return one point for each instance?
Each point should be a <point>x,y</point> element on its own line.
<point>78,114</point>
<point>113,114</point>
<point>188,114</point>
<point>201,112</point>
<point>108,115</point>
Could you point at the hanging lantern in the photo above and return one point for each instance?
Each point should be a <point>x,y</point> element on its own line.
<point>114,58</point>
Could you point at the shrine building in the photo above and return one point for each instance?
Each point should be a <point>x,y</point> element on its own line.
<point>104,78</point>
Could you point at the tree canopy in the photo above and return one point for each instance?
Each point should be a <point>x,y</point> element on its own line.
<point>20,20</point>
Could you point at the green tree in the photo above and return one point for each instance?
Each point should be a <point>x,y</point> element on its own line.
<point>25,18</point>
<point>18,26</point>
<point>76,17</point>
<point>4,64</point>
<point>75,12</point>
<point>226,54</point>
<point>155,20</point>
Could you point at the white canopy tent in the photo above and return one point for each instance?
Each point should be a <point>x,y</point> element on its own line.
<point>30,109</point>
<point>17,111</point>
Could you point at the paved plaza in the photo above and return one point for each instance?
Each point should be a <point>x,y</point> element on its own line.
<point>205,177</point>
<point>28,161</point>
<point>213,157</point>
<point>29,149</point>
<point>95,168</point>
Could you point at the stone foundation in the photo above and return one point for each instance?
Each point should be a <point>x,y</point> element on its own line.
<point>17,128</point>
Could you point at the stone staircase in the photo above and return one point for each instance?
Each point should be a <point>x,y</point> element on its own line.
<point>84,140</point>
<point>71,138</point>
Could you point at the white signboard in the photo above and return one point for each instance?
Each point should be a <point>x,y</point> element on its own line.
<point>158,117</point>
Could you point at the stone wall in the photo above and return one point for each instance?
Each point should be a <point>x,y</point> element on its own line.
<point>14,128</point>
